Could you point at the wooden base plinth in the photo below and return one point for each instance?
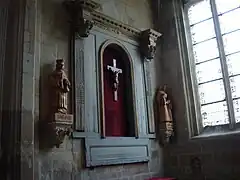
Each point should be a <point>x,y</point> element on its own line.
<point>63,119</point>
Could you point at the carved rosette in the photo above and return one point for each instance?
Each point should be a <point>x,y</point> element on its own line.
<point>80,16</point>
<point>149,38</point>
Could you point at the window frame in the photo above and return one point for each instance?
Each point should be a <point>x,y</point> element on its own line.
<point>196,124</point>
<point>195,118</point>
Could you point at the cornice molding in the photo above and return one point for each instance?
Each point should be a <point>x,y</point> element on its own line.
<point>84,15</point>
<point>103,21</point>
<point>87,11</point>
<point>90,5</point>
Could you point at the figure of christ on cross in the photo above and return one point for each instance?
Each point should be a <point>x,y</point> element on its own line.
<point>115,72</point>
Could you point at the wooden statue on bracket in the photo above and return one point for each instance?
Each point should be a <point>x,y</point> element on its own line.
<point>59,87</point>
<point>164,115</point>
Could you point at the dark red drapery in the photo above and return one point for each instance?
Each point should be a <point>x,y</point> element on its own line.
<point>115,112</point>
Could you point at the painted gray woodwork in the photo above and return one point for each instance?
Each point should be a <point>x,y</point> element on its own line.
<point>79,135</point>
<point>109,150</point>
<point>116,151</point>
<point>86,91</point>
<point>138,79</point>
<point>140,100</point>
<point>91,119</point>
<point>149,97</point>
<point>79,85</point>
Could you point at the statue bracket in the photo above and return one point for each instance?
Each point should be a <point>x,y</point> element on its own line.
<point>148,41</point>
<point>62,127</point>
<point>82,29</point>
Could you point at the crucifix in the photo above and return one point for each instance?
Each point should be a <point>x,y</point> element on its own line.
<point>115,72</point>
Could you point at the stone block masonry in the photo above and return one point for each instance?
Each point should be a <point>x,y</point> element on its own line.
<point>219,157</point>
<point>45,39</point>
<point>65,164</point>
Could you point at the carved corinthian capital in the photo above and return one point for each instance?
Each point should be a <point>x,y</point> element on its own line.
<point>148,43</point>
<point>80,16</point>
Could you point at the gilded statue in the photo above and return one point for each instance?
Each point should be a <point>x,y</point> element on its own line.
<point>164,113</point>
<point>60,86</point>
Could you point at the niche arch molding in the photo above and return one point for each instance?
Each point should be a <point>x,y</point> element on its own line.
<point>99,151</point>
<point>119,46</point>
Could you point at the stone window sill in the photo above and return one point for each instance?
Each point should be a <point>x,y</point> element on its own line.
<point>79,135</point>
<point>216,136</point>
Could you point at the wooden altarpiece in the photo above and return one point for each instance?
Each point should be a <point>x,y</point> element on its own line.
<point>103,48</point>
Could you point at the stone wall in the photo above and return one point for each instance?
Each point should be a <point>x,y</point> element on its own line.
<point>136,13</point>
<point>65,163</point>
<point>46,38</point>
<point>219,156</point>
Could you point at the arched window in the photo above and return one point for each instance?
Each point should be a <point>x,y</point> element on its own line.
<point>117,91</point>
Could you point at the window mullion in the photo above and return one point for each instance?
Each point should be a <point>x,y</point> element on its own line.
<point>224,67</point>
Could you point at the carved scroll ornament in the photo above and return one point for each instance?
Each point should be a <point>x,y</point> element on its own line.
<point>81,20</point>
<point>148,43</point>
<point>164,115</point>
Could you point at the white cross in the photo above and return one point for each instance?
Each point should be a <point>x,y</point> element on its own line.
<point>115,72</point>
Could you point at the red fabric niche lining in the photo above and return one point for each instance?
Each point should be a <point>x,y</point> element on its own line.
<point>115,114</point>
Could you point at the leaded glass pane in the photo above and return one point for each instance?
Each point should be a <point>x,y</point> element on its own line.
<point>231,42</point>
<point>211,92</point>
<point>208,68</point>
<point>202,31</point>
<point>226,5</point>
<point>236,105</point>
<point>205,50</point>
<point>228,21</point>
<point>233,62</point>
<point>199,12</point>
<point>208,71</point>
<point>215,114</point>
<point>235,86</point>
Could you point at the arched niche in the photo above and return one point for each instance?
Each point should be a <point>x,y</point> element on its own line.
<point>117,107</point>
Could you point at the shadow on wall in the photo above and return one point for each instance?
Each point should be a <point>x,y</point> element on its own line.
<point>54,38</point>
<point>54,18</point>
<point>156,117</point>
<point>45,132</point>
<point>155,6</point>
